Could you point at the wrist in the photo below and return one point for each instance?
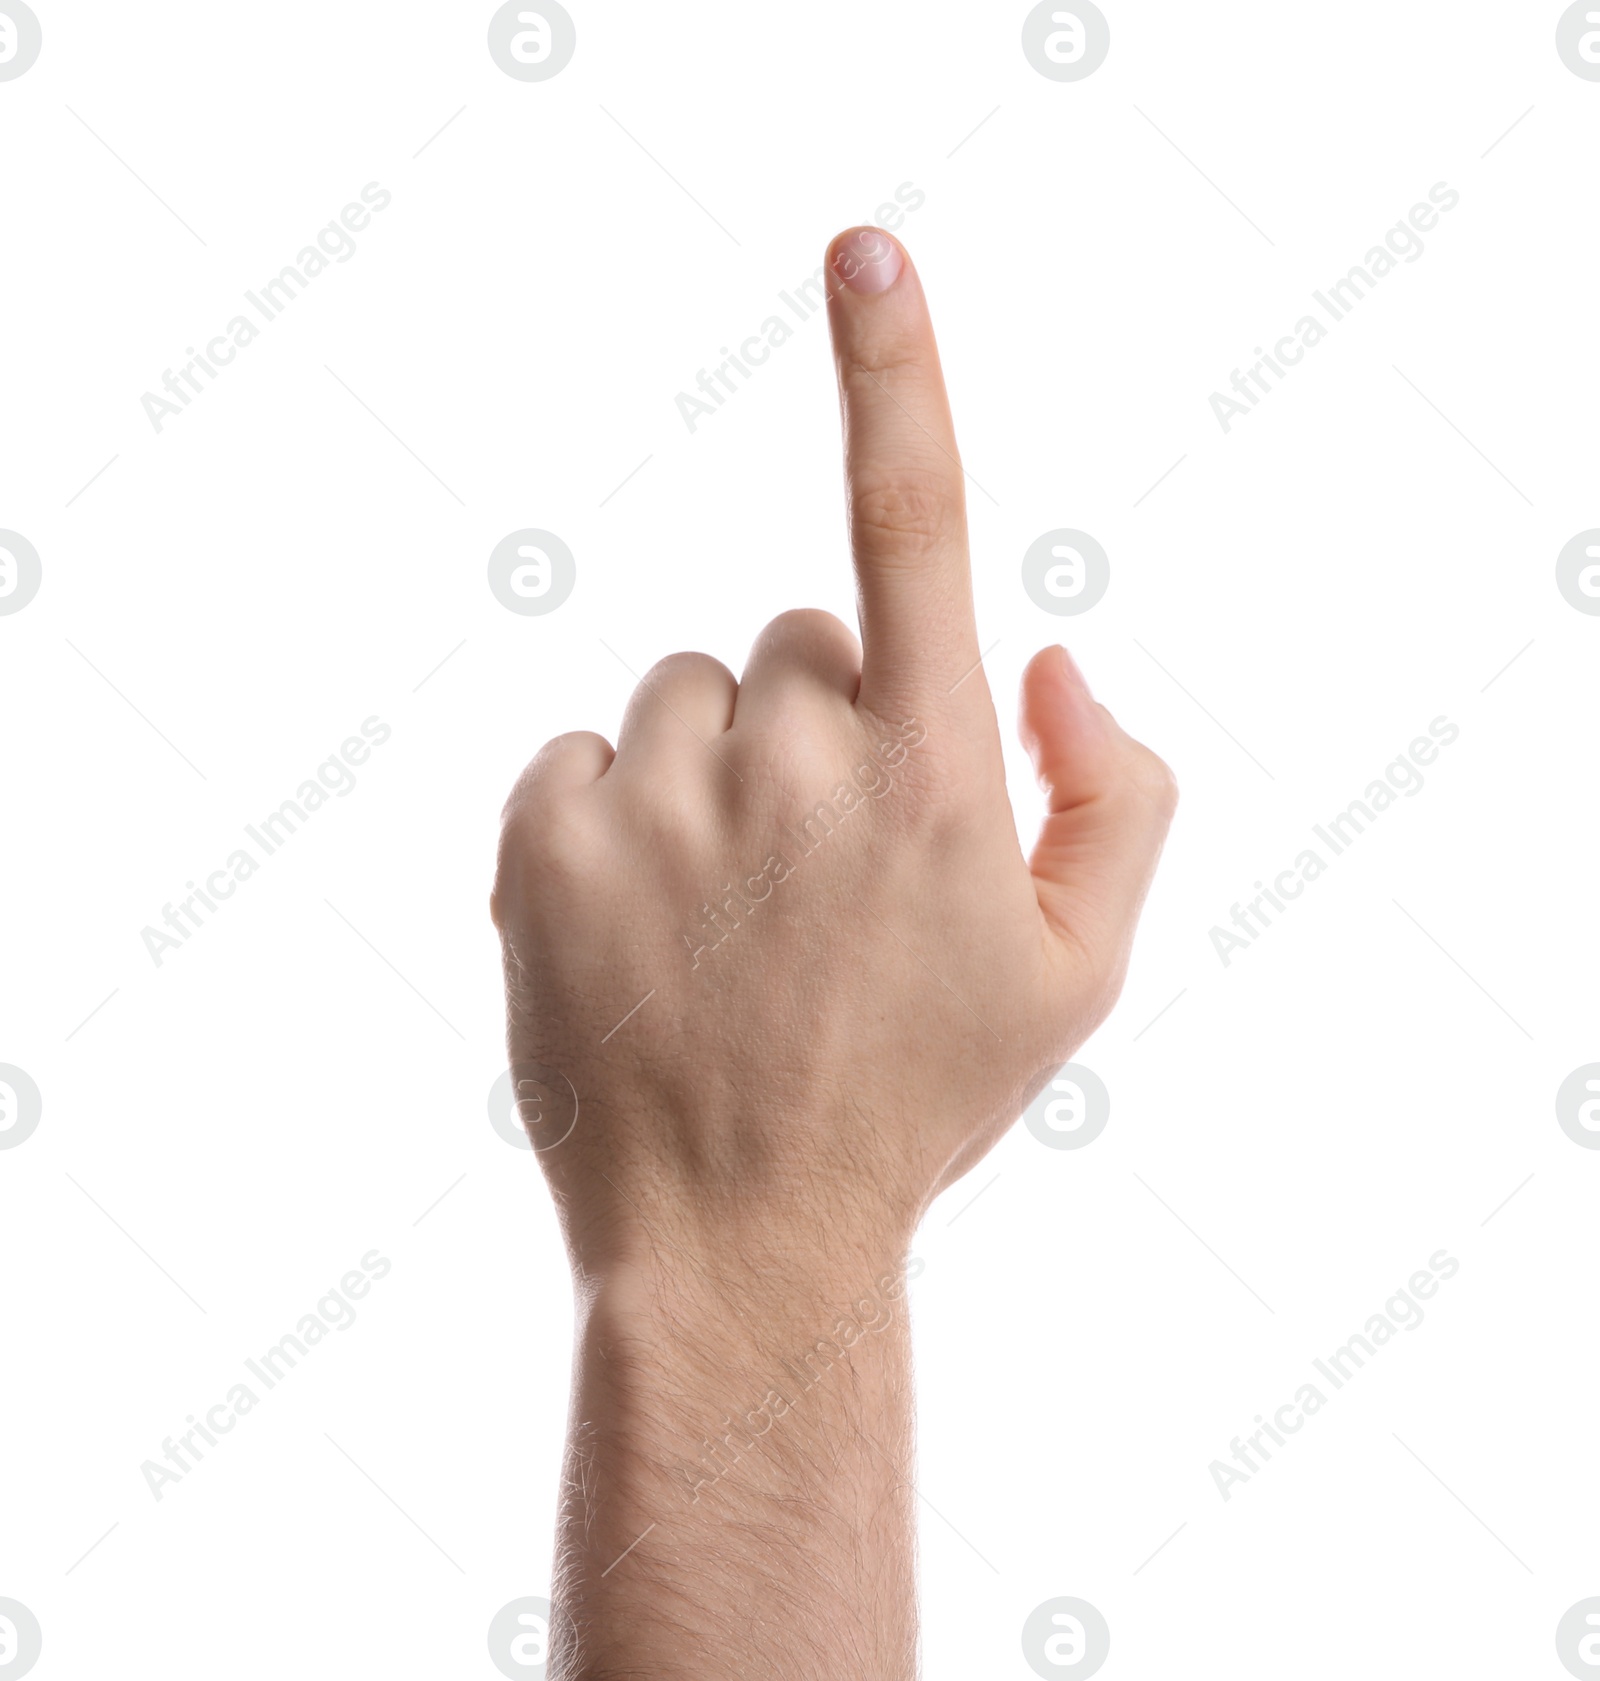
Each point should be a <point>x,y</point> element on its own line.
<point>677,1308</point>
<point>716,1247</point>
<point>702,1370</point>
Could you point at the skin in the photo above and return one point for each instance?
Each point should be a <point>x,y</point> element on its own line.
<point>754,1145</point>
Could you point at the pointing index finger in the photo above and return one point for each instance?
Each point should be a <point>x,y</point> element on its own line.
<point>907,502</point>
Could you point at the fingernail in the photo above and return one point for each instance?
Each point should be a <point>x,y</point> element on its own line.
<point>867,261</point>
<point>1070,665</point>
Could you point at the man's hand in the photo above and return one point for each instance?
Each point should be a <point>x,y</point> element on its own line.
<point>778,973</point>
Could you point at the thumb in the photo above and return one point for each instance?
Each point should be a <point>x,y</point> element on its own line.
<point>1110,803</point>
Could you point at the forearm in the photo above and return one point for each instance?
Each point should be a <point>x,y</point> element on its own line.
<point>737,1497</point>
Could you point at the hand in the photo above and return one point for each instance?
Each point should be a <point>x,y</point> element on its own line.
<point>855,979</point>
<point>777,972</point>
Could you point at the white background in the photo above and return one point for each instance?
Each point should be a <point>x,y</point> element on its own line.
<point>1355,1092</point>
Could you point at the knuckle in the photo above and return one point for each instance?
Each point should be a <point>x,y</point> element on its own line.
<point>574,744</point>
<point>868,365</point>
<point>804,625</point>
<point>805,633</point>
<point>911,511</point>
<point>687,668</point>
<point>547,848</point>
<point>1155,779</point>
